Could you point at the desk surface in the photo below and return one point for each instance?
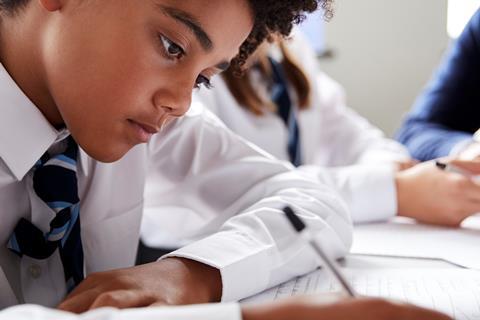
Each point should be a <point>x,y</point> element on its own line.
<point>360,261</point>
<point>417,274</point>
<point>404,238</point>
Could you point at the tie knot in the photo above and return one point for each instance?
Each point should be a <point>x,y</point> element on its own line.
<point>67,155</point>
<point>55,179</point>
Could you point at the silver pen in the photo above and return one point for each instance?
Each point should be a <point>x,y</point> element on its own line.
<point>330,264</point>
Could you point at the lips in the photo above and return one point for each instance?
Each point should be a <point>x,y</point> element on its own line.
<point>143,131</point>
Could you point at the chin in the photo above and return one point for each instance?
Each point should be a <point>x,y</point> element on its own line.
<point>106,155</point>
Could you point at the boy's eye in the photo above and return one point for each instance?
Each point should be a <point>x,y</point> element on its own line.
<point>202,81</point>
<point>172,50</point>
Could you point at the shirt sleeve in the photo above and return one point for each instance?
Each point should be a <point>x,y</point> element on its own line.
<point>227,311</point>
<point>344,137</point>
<point>357,159</point>
<point>348,137</point>
<point>239,191</point>
<point>370,191</point>
<point>446,113</point>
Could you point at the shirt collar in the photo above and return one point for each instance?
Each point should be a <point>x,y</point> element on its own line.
<point>25,134</point>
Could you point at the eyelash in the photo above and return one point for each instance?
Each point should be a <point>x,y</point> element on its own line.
<point>168,45</point>
<point>203,81</point>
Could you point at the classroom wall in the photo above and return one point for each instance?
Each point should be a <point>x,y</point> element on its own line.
<point>384,52</point>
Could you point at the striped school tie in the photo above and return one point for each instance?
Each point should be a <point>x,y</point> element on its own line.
<point>281,98</point>
<point>55,182</point>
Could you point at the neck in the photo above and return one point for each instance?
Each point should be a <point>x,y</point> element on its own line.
<point>21,56</point>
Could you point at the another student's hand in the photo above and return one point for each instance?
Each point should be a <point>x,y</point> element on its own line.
<point>407,164</point>
<point>172,281</point>
<point>350,309</point>
<point>471,152</point>
<point>433,196</point>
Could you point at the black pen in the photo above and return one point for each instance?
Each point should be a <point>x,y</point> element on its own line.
<point>330,264</point>
<point>448,167</point>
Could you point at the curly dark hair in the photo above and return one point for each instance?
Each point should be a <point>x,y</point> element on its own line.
<point>271,17</point>
<point>11,6</point>
<point>276,17</point>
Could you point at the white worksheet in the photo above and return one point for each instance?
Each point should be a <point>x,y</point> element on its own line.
<point>455,292</point>
<point>404,238</point>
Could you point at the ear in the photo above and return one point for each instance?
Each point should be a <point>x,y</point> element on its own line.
<point>51,5</point>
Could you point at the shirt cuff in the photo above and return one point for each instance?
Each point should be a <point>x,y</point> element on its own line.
<point>369,190</point>
<point>373,194</point>
<point>242,262</point>
<point>213,311</point>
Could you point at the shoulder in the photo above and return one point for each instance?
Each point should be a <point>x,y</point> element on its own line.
<point>471,34</point>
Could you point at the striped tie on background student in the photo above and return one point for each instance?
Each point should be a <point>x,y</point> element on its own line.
<point>283,102</point>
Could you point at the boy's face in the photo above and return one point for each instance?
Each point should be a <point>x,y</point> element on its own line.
<point>118,69</point>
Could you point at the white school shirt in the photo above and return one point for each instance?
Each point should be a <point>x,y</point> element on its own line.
<point>211,311</point>
<point>199,165</point>
<point>338,146</point>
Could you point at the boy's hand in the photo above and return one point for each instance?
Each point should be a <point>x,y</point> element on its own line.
<point>309,308</point>
<point>172,281</point>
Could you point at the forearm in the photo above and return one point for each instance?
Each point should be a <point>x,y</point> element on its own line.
<point>426,141</point>
<point>237,193</point>
<point>205,279</point>
<point>260,242</point>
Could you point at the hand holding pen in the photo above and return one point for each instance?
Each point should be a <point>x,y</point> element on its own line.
<point>465,168</point>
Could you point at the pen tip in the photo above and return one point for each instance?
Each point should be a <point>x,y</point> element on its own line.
<point>440,164</point>
<point>295,220</point>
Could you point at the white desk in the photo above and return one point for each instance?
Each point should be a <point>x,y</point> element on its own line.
<point>361,261</point>
<point>430,282</point>
<point>404,238</point>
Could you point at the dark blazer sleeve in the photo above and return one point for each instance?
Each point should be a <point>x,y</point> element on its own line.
<point>448,111</point>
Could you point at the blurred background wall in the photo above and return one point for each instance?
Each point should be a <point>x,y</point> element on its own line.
<point>384,51</point>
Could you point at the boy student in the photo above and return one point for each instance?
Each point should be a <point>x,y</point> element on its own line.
<point>108,75</point>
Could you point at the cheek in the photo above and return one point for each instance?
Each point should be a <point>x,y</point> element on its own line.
<point>93,71</point>
<point>95,92</point>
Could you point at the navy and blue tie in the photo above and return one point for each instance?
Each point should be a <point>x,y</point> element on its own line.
<point>55,182</point>
<point>283,102</point>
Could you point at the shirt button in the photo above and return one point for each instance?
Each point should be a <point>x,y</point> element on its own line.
<point>35,271</point>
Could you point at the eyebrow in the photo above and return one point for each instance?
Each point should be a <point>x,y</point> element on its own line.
<point>191,23</point>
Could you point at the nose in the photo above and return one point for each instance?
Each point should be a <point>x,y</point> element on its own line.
<point>174,101</point>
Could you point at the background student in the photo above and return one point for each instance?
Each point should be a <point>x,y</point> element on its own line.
<point>287,106</point>
<point>447,113</point>
<point>108,75</point>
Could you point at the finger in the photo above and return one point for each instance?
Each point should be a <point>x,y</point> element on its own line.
<point>417,313</point>
<point>158,304</point>
<point>85,285</point>
<point>406,311</point>
<point>124,299</point>
<point>80,302</point>
<point>472,166</point>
